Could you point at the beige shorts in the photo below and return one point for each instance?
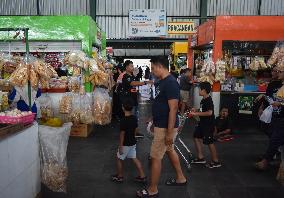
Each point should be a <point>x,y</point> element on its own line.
<point>184,96</point>
<point>159,148</point>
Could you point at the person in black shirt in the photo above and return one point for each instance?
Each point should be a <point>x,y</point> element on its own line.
<point>147,73</point>
<point>127,144</point>
<point>223,126</point>
<point>174,72</point>
<point>164,110</point>
<point>272,88</point>
<point>277,125</point>
<point>205,129</point>
<point>274,84</point>
<point>129,85</point>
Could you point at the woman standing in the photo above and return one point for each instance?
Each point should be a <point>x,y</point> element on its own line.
<point>277,124</point>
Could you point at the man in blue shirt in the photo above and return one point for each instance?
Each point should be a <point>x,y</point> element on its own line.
<point>165,121</point>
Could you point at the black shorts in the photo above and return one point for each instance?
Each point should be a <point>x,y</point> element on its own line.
<point>205,133</point>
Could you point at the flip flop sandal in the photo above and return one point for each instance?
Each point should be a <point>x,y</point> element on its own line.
<point>173,182</point>
<point>140,179</point>
<point>145,194</point>
<point>258,167</point>
<point>117,179</point>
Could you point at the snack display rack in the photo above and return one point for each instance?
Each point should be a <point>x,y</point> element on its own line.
<point>84,65</point>
<point>19,118</point>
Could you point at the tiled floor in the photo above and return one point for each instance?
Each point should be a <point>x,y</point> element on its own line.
<point>91,161</point>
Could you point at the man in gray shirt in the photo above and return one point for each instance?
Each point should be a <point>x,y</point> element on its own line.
<point>185,87</point>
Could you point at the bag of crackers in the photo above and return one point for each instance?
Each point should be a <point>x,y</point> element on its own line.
<point>102,108</point>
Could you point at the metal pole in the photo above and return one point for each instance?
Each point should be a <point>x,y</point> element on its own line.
<point>203,11</point>
<point>93,9</point>
<point>37,8</point>
<point>27,54</point>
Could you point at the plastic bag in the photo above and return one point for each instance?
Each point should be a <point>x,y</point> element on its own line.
<point>45,107</point>
<point>102,107</point>
<point>20,76</point>
<point>74,84</point>
<point>65,104</point>
<point>266,115</point>
<point>86,114</point>
<point>76,109</point>
<point>53,147</point>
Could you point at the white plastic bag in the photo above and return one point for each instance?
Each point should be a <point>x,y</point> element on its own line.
<point>266,115</point>
<point>53,162</point>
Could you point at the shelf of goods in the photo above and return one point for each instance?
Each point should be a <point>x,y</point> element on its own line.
<point>235,60</point>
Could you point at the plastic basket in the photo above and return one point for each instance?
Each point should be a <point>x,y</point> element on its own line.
<point>16,120</point>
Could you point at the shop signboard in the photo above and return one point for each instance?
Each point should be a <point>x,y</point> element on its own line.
<point>187,27</point>
<point>147,23</point>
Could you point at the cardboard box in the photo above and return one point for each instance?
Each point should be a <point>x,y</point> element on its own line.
<point>81,130</point>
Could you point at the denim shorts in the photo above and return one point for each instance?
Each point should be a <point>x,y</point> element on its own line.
<point>128,152</point>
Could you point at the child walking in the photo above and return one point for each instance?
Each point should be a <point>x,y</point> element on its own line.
<point>205,129</point>
<point>127,144</point>
<point>223,126</point>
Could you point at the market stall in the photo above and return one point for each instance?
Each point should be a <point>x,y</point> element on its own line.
<point>60,88</point>
<point>76,49</point>
<point>232,53</point>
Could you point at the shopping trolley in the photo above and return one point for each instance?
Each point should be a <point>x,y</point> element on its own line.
<point>178,142</point>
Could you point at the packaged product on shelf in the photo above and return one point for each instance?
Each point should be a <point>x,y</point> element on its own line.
<point>34,78</point>
<point>74,71</point>
<point>8,63</point>
<point>76,58</point>
<point>45,107</point>
<point>102,107</point>
<point>99,78</point>
<point>36,71</point>
<point>258,64</point>
<point>20,76</point>
<point>65,104</point>
<point>60,83</point>
<point>220,71</point>
<point>82,90</point>
<point>44,84</point>
<point>74,84</point>
<point>4,105</point>
<point>277,55</point>
<point>207,71</point>
<point>93,65</point>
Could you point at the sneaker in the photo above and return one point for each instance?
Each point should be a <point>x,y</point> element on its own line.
<point>115,178</point>
<point>139,135</point>
<point>198,161</point>
<point>214,165</point>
